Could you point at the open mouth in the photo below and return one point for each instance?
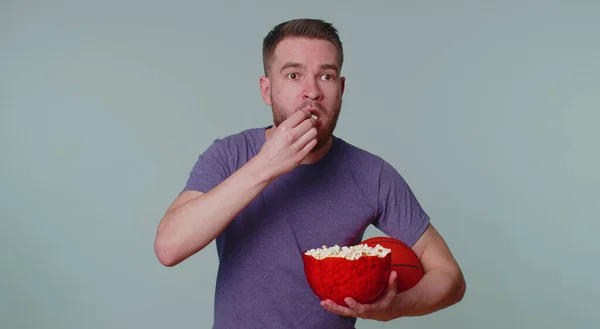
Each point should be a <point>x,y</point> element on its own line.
<point>314,116</point>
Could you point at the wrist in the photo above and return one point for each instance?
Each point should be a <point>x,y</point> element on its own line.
<point>257,169</point>
<point>400,303</point>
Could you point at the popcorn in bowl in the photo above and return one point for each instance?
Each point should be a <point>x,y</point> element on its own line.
<point>360,272</point>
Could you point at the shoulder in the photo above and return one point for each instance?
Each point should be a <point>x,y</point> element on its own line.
<point>360,158</point>
<point>369,165</point>
<point>236,144</point>
<point>250,136</point>
<point>234,150</point>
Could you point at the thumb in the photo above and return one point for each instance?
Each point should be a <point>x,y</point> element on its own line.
<point>393,283</point>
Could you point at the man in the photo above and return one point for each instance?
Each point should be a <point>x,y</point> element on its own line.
<point>267,194</point>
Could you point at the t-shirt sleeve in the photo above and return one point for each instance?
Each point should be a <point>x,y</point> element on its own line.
<point>210,169</point>
<point>400,215</point>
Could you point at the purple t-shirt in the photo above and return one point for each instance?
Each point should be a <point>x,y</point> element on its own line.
<point>260,279</point>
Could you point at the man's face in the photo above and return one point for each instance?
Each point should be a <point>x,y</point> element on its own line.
<point>305,74</point>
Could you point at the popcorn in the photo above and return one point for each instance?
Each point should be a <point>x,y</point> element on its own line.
<point>349,253</point>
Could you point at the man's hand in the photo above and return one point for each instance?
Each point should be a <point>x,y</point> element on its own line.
<point>442,285</point>
<point>290,143</point>
<point>380,309</point>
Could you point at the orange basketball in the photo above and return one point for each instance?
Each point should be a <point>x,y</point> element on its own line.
<point>404,261</point>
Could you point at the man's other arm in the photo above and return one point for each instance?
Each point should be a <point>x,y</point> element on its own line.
<point>443,284</point>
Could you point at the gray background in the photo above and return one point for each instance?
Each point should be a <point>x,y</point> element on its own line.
<point>488,109</point>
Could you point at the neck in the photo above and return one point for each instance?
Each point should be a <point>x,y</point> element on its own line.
<point>313,156</point>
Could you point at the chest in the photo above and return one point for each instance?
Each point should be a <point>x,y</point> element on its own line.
<point>309,211</point>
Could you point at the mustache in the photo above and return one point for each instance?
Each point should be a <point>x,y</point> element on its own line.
<point>311,104</point>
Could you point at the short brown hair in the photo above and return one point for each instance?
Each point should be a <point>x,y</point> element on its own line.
<point>302,27</point>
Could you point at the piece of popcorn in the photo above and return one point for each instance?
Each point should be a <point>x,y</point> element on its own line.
<point>350,253</point>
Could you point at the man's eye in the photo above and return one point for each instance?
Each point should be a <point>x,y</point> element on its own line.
<point>293,76</point>
<point>327,76</point>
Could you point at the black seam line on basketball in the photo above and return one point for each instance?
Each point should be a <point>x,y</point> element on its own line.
<point>407,265</point>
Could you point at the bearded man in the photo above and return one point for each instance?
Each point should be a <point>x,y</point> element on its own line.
<point>267,193</point>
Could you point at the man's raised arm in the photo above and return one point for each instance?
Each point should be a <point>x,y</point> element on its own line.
<point>195,219</point>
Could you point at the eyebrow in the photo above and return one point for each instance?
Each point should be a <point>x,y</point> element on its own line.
<point>298,65</point>
<point>290,64</point>
<point>330,67</point>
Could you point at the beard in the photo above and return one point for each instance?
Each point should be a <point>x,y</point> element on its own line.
<point>326,123</point>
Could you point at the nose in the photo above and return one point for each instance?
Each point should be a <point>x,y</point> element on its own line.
<point>312,90</point>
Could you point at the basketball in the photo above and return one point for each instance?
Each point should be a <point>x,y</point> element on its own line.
<point>404,261</point>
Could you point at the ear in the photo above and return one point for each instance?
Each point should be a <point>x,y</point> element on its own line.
<point>343,84</point>
<point>265,90</point>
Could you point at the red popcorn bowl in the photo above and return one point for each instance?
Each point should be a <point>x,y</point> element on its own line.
<point>363,279</point>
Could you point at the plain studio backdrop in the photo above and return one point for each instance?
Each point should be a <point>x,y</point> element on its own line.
<point>488,109</point>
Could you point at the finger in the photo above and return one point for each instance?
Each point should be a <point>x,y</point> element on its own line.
<point>304,127</point>
<point>307,148</point>
<point>390,292</point>
<point>306,138</point>
<point>338,309</point>
<point>295,119</point>
<point>358,308</point>
<point>393,284</point>
<point>393,280</point>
